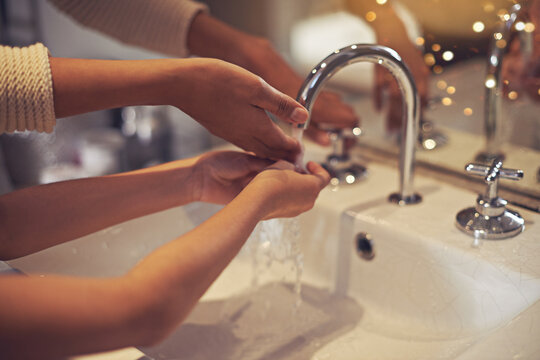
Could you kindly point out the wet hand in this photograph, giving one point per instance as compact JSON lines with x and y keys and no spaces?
{"x":220,"y":175}
{"x":231,"y":102}
{"x":286,"y":192}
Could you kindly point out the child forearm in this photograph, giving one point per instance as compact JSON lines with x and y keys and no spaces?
{"x":63,"y":316}
{"x":35,"y":218}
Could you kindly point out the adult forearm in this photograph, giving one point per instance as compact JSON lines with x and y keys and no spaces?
{"x":82,"y":85}
{"x":42,"y":216}
{"x":210,"y":37}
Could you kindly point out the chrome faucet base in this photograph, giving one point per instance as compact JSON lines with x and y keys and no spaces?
{"x":506,"y":225}
{"x":345,"y":173}
{"x":490,"y":219}
{"x":339,"y":164}
{"x":396,"y":198}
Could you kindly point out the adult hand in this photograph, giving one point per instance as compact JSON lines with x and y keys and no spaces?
{"x":329,"y":110}
{"x":231,"y":102}
{"x":220,"y":175}
{"x":213,"y":38}
{"x":288,"y":193}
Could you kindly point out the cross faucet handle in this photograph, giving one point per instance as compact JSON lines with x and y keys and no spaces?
{"x":492,"y":174}
{"x":495,"y":171}
{"x":490,"y":219}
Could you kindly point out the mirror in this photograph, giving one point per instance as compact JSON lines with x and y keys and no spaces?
{"x":460,"y":44}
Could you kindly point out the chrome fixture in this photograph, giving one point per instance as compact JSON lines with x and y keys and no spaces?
{"x":364,"y":246}
{"x":390,"y":60}
{"x":490,"y":219}
{"x":493,"y":123}
{"x":339,"y":164}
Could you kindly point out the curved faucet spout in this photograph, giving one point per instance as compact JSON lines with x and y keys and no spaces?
{"x":390,"y":60}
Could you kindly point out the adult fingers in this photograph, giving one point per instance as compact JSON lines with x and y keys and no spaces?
{"x":265,"y":138}
{"x":279,"y":104}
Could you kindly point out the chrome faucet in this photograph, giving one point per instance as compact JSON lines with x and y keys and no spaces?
{"x":493,"y":123}
{"x":390,"y":60}
{"x":490,"y":219}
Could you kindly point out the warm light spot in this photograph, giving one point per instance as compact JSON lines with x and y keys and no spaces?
{"x":437,"y":69}
{"x":520,"y":26}
{"x":381,"y":2}
{"x":448,"y":55}
{"x":349,"y":179}
{"x":489,"y":7}
{"x":371,"y":16}
{"x":478,"y":26}
{"x":323,"y":65}
{"x":490,"y":82}
{"x":451,"y":90}
{"x":313,"y":71}
{"x":353,"y":47}
{"x":441,"y":84}
{"x":501,"y":13}
{"x":512,"y":95}
{"x":357,"y":131}
{"x":529,"y":27}
{"x":538,"y":91}
{"x":506,"y":82}
{"x":429,"y":144}
{"x":435,"y":47}
{"x":446,"y":101}
{"x":429,"y":59}
{"x":467,"y":111}
{"x":498,"y":36}
{"x":420,"y":41}
{"x":501,"y":44}
{"x":506,"y":17}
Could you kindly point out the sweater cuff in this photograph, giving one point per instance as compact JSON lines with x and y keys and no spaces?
{"x":26,"y":91}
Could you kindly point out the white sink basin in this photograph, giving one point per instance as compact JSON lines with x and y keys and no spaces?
{"x":430,"y":292}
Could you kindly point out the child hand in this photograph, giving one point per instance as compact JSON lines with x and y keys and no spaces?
{"x":285,"y":192}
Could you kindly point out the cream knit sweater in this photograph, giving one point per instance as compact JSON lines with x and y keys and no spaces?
{"x":26,"y":92}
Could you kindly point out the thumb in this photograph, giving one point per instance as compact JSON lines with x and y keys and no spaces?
{"x":281,"y":105}
{"x":318,"y":171}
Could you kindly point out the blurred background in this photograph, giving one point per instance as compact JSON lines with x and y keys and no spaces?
{"x":303,"y":31}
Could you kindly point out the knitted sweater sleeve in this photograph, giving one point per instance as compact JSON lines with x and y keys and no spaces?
{"x":26,"y":92}
{"x":158,"y":25}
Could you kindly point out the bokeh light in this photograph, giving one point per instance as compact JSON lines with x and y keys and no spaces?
{"x":448,"y":55}
{"x":441,"y":84}
{"x":371,"y":16}
{"x":513,"y":95}
{"x":478,"y":26}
